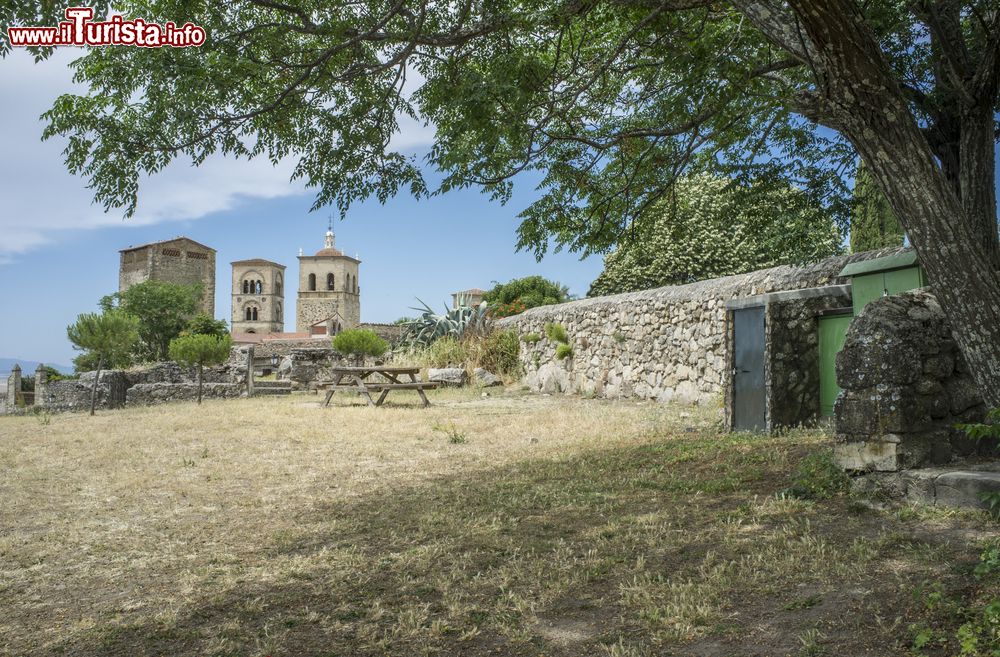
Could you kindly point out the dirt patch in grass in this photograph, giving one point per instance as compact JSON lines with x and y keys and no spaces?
{"x":559,"y":527}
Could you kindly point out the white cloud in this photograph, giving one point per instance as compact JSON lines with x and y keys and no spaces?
{"x":41,"y":202}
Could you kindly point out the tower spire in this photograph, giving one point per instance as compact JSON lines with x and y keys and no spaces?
{"x":328,"y":243}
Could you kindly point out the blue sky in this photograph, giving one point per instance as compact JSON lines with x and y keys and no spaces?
{"x":59,"y":253}
{"x":408,"y":249}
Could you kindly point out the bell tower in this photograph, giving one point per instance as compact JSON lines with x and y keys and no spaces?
{"x":329,"y":298}
{"x":258,"y":297}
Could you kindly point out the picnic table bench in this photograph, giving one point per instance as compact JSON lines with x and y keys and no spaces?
{"x":358,"y":380}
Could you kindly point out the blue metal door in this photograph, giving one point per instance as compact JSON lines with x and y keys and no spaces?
{"x":748,"y":369}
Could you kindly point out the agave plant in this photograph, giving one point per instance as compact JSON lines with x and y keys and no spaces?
{"x":430,"y":326}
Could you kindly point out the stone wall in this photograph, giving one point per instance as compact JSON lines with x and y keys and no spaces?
{"x":667,"y":343}
{"x":905,"y":387}
{"x":154,"y":383}
{"x":145,"y":394}
{"x":791,"y":371}
{"x":74,"y":394}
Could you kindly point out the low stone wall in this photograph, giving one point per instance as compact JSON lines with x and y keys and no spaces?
{"x":153,"y":383}
{"x":905,"y":385}
{"x":145,"y":394}
{"x":671,"y":343}
{"x":74,"y":394}
{"x":305,"y":367}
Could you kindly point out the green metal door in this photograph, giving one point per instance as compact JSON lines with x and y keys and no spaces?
{"x":901,"y":280}
{"x":832,"y":331}
{"x":865,"y":289}
{"x":868,"y":287}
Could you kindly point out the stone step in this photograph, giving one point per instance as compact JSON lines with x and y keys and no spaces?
{"x":955,"y":487}
{"x":272,"y":384}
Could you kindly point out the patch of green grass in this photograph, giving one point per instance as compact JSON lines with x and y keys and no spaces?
{"x":818,"y":477}
{"x":557,"y":333}
{"x":455,"y":435}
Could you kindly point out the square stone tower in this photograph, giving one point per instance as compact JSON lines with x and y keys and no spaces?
{"x":329,"y":299}
{"x":180,"y":260}
{"x":258,"y":297}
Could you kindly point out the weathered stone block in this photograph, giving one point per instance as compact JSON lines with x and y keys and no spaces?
{"x":868,"y":455}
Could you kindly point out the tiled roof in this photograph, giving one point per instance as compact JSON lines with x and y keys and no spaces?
{"x":257,"y":338}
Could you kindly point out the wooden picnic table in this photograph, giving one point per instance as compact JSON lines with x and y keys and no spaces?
{"x":358,"y":380}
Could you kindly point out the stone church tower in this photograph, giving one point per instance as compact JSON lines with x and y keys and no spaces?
{"x":180,"y":260}
{"x":329,"y":295}
{"x":258,"y":297}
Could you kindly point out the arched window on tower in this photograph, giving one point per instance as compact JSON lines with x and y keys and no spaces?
{"x":246,"y":287}
{"x":249,"y":314}
{"x":260,"y":287}
{"x":277,"y":312}
{"x":347,"y":283}
{"x":277,"y":285}
{"x":255,"y":314}
{"x":330,"y":282}
{"x":356,"y":288}
{"x":312,"y":282}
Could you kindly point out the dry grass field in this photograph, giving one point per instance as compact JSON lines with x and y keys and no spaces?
{"x":509,"y":525}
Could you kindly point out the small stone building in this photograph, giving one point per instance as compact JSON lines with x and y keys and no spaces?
{"x":470,"y":298}
{"x":258,"y":297}
{"x":329,"y":298}
{"x":180,"y":260}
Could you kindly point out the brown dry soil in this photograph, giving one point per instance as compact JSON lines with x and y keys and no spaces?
{"x":512,"y":525}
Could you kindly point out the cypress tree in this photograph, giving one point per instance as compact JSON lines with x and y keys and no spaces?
{"x":873,"y":223}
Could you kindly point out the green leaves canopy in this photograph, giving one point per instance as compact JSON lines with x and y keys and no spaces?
{"x":200,"y":350}
{"x":712,"y":228}
{"x":360,"y":342}
{"x":163,"y":311}
{"x":523,"y":293}
{"x":109,"y":336}
{"x":608,"y":101}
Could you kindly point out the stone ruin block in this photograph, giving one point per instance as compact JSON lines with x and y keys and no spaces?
{"x":904,"y":389}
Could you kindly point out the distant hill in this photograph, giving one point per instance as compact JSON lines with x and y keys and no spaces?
{"x":7,"y":364}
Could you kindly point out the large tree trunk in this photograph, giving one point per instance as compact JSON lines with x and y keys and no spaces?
{"x":97,"y":379}
{"x":954,"y":250}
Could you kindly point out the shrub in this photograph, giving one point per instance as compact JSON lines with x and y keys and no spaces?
{"x":531,"y":338}
{"x":516,"y":296}
{"x":203,"y":324}
{"x":455,"y":435}
{"x":557,"y":333}
{"x":564,"y":351}
{"x":498,"y":351}
{"x":987,"y":431}
{"x":444,"y":352}
{"x":818,"y":477}
{"x":360,"y":343}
